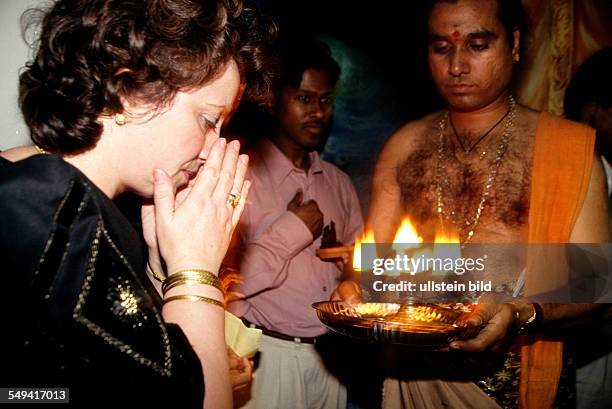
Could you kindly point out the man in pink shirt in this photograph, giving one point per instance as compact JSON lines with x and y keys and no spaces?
{"x":293,"y":196}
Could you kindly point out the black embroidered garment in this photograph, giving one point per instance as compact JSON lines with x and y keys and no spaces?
{"x":79,"y":310}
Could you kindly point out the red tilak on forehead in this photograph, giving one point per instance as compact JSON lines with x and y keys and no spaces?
{"x":456,"y":35}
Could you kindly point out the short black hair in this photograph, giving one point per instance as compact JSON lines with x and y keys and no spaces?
{"x":591,"y":83}
{"x":510,"y":13}
{"x":299,"y":55}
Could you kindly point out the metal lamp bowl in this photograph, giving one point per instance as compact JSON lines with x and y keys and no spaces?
{"x":427,"y":325}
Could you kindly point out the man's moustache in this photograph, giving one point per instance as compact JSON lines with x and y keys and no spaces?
{"x":319,"y":123}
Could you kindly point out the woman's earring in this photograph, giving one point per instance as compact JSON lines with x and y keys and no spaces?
{"x":120,"y":119}
{"x":517,"y":58}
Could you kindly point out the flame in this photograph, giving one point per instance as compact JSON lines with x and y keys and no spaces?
{"x":447,"y":238}
{"x":406,"y":237}
{"x":447,"y":245}
{"x":367,"y":238}
{"x":426,"y":314}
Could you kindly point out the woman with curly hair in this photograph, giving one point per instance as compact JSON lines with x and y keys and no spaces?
{"x":127,"y":95}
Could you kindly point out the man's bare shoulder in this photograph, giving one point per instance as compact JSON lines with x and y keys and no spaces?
{"x":410,"y":137}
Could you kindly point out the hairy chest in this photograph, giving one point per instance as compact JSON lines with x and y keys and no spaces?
{"x":459,"y":183}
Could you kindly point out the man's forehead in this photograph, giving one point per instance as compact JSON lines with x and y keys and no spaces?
{"x":464,"y":18}
{"x":312,"y":91}
{"x":315,"y":80}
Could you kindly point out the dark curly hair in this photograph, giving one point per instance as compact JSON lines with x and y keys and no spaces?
{"x":91,"y":53}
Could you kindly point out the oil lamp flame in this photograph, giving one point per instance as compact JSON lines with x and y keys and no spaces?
{"x":367,"y":239}
{"x":442,"y":237}
{"x":447,"y":245}
{"x":406,"y":237}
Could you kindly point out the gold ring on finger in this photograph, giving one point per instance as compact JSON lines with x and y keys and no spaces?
{"x":233,"y":200}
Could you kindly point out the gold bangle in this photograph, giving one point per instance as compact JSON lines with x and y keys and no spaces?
{"x":155,"y":274}
{"x":196,"y":275}
{"x":194,"y":298}
{"x":201,"y":276}
{"x":193,"y":272}
{"x":204,"y":278}
{"x":185,"y":281}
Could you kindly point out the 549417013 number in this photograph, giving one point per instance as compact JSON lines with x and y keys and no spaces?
{"x":31,"y":395}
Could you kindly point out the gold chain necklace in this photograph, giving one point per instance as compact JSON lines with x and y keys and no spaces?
{"x":471,"y":224}
{"x":40,"y":150}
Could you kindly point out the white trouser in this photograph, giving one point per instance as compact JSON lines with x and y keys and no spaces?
{"x":291,"y":375}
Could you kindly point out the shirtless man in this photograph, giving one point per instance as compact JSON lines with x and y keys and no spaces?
{"x":470,"y":165}
{"x":472,"y":51}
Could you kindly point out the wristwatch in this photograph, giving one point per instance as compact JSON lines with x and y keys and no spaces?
{"x":533,"y":322}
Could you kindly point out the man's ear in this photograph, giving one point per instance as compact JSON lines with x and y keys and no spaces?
{"x":516,"y":52}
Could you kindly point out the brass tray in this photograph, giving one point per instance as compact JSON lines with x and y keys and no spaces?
{"x":417,"y":324}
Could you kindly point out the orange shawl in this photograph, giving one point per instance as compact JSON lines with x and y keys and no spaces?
{"x":561,"y":171}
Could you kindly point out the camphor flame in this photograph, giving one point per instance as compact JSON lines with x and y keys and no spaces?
{"x":406,"y":237}
{"x":367,"y":238}
{"x":426,"y":314}
{"x":443,"y":237}
{"x":447,"y":245}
